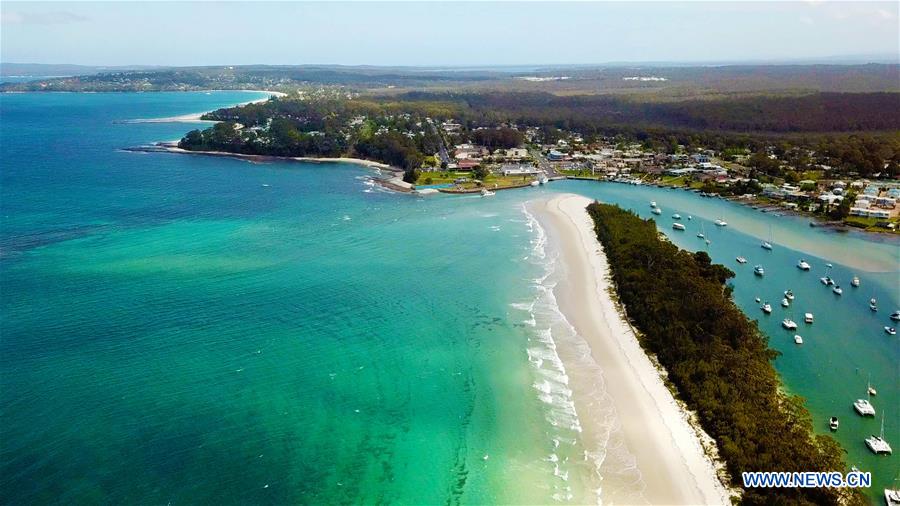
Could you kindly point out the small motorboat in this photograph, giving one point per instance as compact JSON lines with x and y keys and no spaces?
{"x":826,"y":281}
{"x":871,"y":390}
{"x":837,"y":290}
{"x":855,"y":282}
{"x":657,"y":211}
{"x":676,"y":216}
{"x":487,"y":193}
{"x":873,"y":304}
{"x":785,"y":303}
{"x":708,"y":242}
{"x":798,"y":339}
{"x":767,"y":308}
{"x":766,"y":245}
{"x":789,"y":294}
{"x":678,"y":226}
{"x":895,"y":316}
{"x":652,"y":203}
{"x":891,"y":331}
{"x":690,"y":217}
{"x":741,"y":260}
{"x":803,"y":265}
{"x":757,"y":300}
{"x":829,"y":266}
{"x":833,"y":423}
{"x":808,"y":317}
{"x":789,"y":324}
{"x":759,"y":271}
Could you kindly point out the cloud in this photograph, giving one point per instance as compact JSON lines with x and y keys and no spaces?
{"x":40,"y":18}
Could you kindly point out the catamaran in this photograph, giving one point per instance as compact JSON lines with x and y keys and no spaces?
{"x":878,"y":444}
{"x":802,"y":265}
{"x":826,"y":281}
{"x":864,"y":407}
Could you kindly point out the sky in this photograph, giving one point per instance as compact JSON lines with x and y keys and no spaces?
{"x":440,"y":33}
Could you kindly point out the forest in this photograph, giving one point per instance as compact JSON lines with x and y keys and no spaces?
{"x":717,"y":359}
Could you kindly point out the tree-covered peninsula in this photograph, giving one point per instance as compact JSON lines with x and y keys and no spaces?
{"x":717,"y":359}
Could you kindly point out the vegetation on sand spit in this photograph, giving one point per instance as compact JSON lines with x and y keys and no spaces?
{"x":716,"y":357}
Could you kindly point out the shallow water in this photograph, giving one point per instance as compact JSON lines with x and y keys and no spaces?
{"x":194,"y":329}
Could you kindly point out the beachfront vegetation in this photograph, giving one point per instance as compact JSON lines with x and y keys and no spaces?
{"x":717,"y":359}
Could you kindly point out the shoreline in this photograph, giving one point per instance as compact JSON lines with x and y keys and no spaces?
{"x":395,"y":182}
{"x":669,"y":451}
{"x":195,"y":117}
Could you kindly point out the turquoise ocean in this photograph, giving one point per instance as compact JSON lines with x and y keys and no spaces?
{"x":183,"y":329}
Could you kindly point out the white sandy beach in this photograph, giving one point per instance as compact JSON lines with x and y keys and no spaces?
{"x":195,"y":116}
{"x":667,"y":450}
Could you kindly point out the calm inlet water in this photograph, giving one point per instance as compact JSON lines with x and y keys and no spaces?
{"x":188,"y":329}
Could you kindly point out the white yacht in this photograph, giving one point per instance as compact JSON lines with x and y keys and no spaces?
{"x":870,"y":389}
{"x":766,"y":245}
{"x":721,"y":223}
{"x":678,"y":226}
{"x":873,"y":304}
{"x":487,"y":193}
{"x":837,"y":290}
{"x":789,"y":294}
{"x":767,"y":308}
{"x":690,"y":217}
{"x":534,"y":183}
{"x":652,"y":203}
{"x":895,"y":316}
{"x":808,"y":317}
{"x":891,"y":497}
{"x":758,"y":270}
{"x":785,"y":303}
{"x":700,"y":235}
{"x":854,"y":282}
{"x":657,"y":211}
{"x":676,"y":216}
{"x":864,"y":407}
{"x":789,"y":324}
{"x":878,"y":444}
{"x":741,"y":260}
{"x":803,"y":265}
{"x":757,"y":300}
{"x":891,"y":331}
{"x":543,"y":180}
{"x":833,"y":423}
{"x":798,"y":339}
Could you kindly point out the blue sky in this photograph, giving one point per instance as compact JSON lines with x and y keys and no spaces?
{"x":433,"y":33}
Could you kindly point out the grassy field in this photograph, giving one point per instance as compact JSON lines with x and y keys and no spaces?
{"x":492,"y":181}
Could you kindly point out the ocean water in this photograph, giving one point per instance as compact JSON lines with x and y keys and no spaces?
{"x":189,"y":329}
